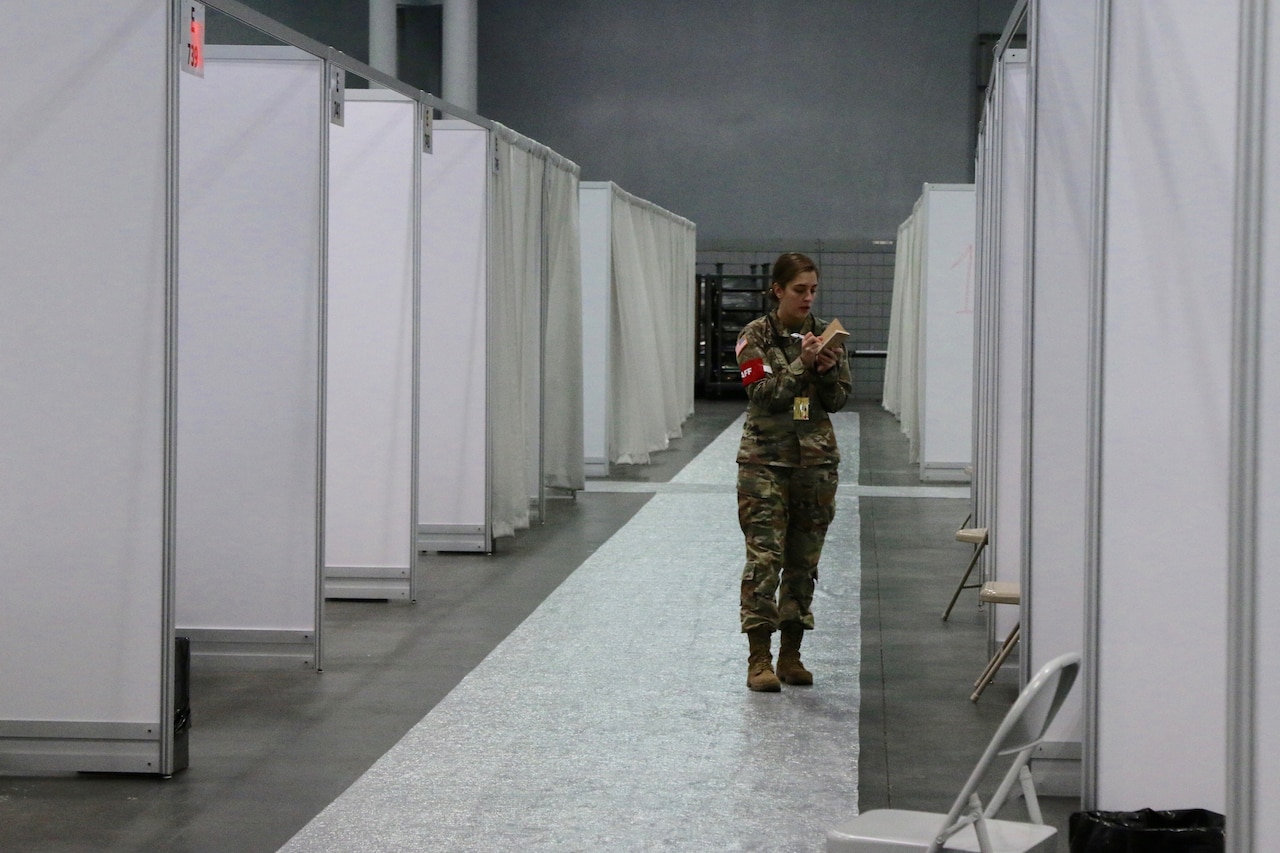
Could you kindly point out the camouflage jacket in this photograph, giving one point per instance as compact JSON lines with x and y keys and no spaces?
{"x":774,"y":376}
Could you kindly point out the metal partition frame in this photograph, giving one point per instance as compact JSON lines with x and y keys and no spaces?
{"x":1254,"y":644}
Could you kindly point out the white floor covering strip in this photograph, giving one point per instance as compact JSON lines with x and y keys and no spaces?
{"x":616,"y":717}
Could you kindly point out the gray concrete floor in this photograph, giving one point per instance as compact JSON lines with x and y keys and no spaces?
{"x":269,"y":750}
{"x":919,"y":732}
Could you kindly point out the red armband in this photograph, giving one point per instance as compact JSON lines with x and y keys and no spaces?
{"x":752,"y":371}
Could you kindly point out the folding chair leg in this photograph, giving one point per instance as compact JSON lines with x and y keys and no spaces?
{"x":998,"y":659}
{"x":1029,"y":794}
{"x":964,"y":584}
{"x":989,"y":674}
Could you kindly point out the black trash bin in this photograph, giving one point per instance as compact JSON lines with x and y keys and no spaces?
{"x":181,"y":702}
{"x":1147,"y":831}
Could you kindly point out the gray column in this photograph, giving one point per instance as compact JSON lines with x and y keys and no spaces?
{"x":382,"y":35}
{"x":459,"y":67}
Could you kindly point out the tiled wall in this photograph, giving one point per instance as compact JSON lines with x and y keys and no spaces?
{"x":855,"y":285}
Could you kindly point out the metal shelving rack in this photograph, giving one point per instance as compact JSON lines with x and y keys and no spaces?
{"x":727,"y":302}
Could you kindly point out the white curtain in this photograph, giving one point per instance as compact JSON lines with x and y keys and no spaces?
{"x":562,"y":371}
{"x":909,"y":416}
{"x":901,"y":375}
{"x":891,"y":398}
{"x":684,"y":251}
{"x":515,"y":285}
{"x":535,"y":331}
{"x":651,"y":339}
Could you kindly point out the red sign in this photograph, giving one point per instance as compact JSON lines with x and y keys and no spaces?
{"x":191,"y":44}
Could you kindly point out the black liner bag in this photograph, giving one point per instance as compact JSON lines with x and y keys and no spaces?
{"x":1147,"y":831}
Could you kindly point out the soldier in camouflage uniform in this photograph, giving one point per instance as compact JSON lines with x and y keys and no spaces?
{"x":787,"y":468}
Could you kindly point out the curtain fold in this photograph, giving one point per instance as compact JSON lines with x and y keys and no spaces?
{"x":891,"y":397}
{"x":563,"y":464}
{"x":535,"y":330}
{"x":636,"y":381}
{"x":515,"y":319}
{"x":901,"y":394}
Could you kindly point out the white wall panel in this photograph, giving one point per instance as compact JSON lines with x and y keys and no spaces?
{"x":1166,"y":369}
{"x":249,"y":335}
{"x":946,"y":339}
{"x":369,"y":524}
{"x":83,"y":338}
{"x":453,"y":510}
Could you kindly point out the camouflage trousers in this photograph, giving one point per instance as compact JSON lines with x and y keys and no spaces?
{"x":784,"y":514}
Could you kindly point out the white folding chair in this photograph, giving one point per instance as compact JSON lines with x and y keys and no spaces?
{"x":969,"y":826}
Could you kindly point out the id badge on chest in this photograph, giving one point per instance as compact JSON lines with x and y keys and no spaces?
{"x":800,"y":409}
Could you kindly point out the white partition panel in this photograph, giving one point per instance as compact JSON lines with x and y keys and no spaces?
{"x":596,"y":217}
{"x":453,"y":481}
{"x":945,"y":360}
{"x":85,"y":524}
{"x":1063,"y":57}
{"x":1165,"y":360}
{"x":1009,"y":339}
{"x":369,"y":477}
{"x":249,"y":413}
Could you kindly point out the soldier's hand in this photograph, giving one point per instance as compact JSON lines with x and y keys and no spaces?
{"x":810,"y":346}
{"x":826,"y":360}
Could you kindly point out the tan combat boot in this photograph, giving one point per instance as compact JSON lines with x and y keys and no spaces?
{"x":760,"y":675}
{"x":790,"y":669}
